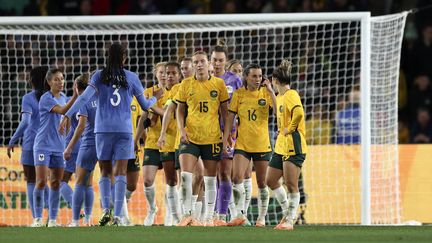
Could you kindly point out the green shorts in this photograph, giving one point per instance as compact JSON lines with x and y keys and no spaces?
{"x":206,"y":151}
{"x":177,"y":159}
{"x":277,"y":160}
{"x":255,"y":156}
{"x":167,"y":156}
{"x":133,"y":164}
{"x":152,"y":157}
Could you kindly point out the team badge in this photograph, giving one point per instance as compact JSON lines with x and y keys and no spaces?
{"x":41,"y":157}
{"x":262,"y":102}
{"x":213,"y":93}
{"x":281,"y":109}
{"x":133,"y":107}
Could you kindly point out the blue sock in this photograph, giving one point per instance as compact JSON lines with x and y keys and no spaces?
{"x":112,"y":195}
{"x":66,"y":192}
{"x":105,"y":191}
{"x":38,"y":202}
{"x":120,"y":191}
{"x":88,"y":200}
{"x":46,"y":197}
{"x":54,"y":204}
{"x":78,"y":197}
{"x":30,"y":189}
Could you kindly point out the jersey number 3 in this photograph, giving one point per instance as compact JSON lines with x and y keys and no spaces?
{"x":118,"y":98}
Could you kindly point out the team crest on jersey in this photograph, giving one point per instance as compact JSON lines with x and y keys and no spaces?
{"x":133,"y":108}
{"x":230,"y":89}
{"x":262,"y":102}
{"x":281,"y":109}
{"x":41,"y":157}
{"x":213,"y":93}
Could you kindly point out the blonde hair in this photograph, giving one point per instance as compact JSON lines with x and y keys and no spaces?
{"x":158,"y":65}
{"x":283,"y":72}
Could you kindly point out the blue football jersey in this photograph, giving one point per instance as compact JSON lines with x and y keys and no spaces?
{"x":89,"y":111}
{"x":30,"y":105}
{"x":48,"y":138}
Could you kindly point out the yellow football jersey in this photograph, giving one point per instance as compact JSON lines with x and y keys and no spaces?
{"x":136,"y":112}
{"x":153,"y":132}
{"x":171,"y":132}
{"x":252,"y":109}
{"x":295,"y":142}
{"x":203,"y":99}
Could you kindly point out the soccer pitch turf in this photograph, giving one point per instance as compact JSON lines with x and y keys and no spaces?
{"x":218,"y":234}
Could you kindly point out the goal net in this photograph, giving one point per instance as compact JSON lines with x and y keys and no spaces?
{"x":345,"y":65}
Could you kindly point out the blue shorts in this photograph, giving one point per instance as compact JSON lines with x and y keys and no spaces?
{"x":48,"y":158}
{"x":114,"y":146}
{"x":71,"y":163}
{"x":87,"y":158}
{"x":27,"y":157}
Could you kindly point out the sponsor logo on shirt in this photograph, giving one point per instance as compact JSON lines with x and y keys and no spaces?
{"x":230,"y":89}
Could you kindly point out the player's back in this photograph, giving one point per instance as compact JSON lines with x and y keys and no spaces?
{"x":30,"y":105}
{"x":88,"y":136}
{"x":113,"y":114}
{"x":74,"y":124}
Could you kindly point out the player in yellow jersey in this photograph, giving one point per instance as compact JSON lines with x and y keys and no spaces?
{"x":200,"y":135}
{"x":251,"y":104}
{"x":290,"y":149}
{"x":167,"y":150}
{"x":152,"y":162}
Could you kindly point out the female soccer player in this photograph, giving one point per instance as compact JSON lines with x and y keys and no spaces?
{"x":151,"y":162}
{"x":235,"y":66}
{"x":200,"y":135}
{"x":49,"y":145}
{"x":114,"y":87}
{"x":167,"y":148}
{"x":27,"y":130}
{"x":86,"y":158}
{"x":232,"y":82}
{"x":251,"y":104}
{"x":290,"y":149}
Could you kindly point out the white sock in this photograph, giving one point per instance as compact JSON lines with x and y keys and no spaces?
{"x":239,"y":197}
{"x":149,"y":192}
{"x":180,"y":201}
{"x":203,"y":210}
{"x":232,"y":205}
{"x":194,"y":202}
{"x":186,"y":186}
{"x":293,"y":202}
{"x":263,"y":202}
{"x":168,"y":218}
{"x":210,"y":195}
{"x":197,"y":212}
{"x":172,"y":201}
{"x":281,"y":196}
{"x":248,"y":193}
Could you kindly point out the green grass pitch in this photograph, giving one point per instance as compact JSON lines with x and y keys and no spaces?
{"x":217,"y":234}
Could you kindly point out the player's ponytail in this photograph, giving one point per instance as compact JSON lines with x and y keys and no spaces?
{"x":283,"y":72}
{"x":221,"y":47}
{"x":113,"y":73}
{"x":37,"y":80}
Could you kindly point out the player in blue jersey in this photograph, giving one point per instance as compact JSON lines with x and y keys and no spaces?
{"x":114,"y":88}
{"x":27,"y":130}
{"x":232,"y":82}
{"x":70,"y":158}
{"x":86,"y":158}
{"x":49,"y":145}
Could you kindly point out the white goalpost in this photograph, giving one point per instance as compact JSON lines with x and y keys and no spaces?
{"x":345,"y":67}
